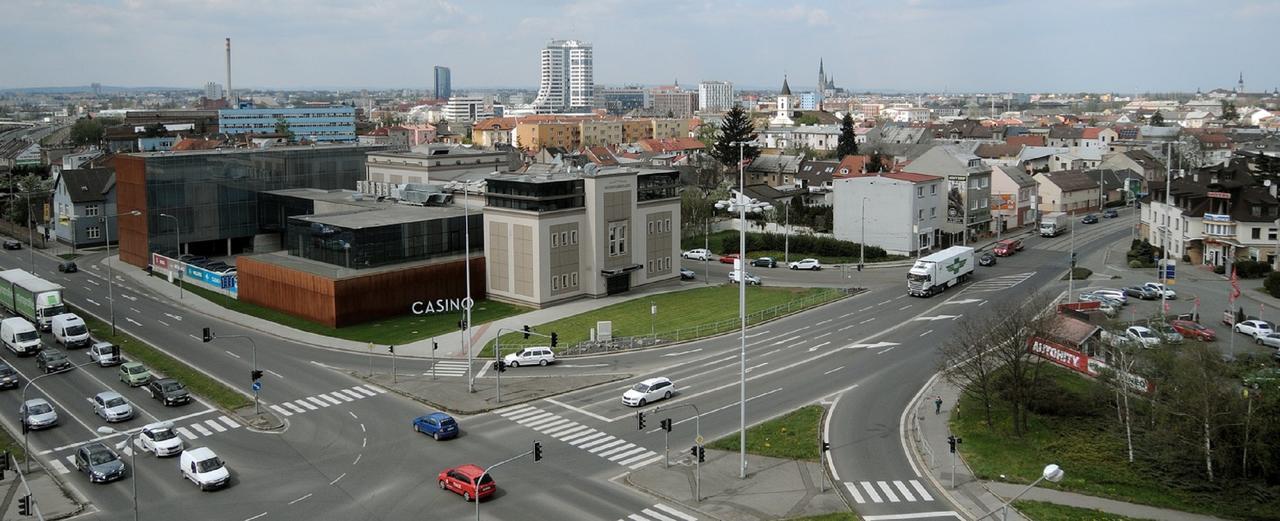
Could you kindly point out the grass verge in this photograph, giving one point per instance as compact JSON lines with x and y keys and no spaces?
{"x":393,"y":331}
{"x":677,"y":310}
{"x":7,"y":443}
{"x":195,"y":380}
{"x":794,"y":436}
{"x":1041,"y":511}
{"x":1079,"y":273}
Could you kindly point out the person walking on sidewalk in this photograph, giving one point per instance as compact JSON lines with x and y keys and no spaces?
{"x":937,"y":405}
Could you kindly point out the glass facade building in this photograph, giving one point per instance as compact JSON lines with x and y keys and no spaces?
{"x":318,"y":124}
{"x":336,"y":239}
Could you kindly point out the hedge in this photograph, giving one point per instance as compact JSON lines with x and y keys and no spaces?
{"x":812,"y":244}
{"x":1251,"y":269}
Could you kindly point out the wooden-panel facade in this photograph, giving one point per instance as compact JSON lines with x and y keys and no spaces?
{"x":131,"y":194}
{"x":298,"y":293}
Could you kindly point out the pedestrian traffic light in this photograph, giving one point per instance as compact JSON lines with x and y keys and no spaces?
{"x":256,"y":374}
{"x":24,"y":505}
{"x":537,"y":451}
{"x":526,"y":332}
{"x":462,"y":324}
{"x":640,"y":420}
{"x":501,"y":366}
{"x":555,"y":339}
{"x":207,"y":336}
{"x":4,"y":460}
{"x":952,"y":441}
{"x":666,"y":424}
{"x":693,"y":451}
{"x":859,"y":266}
{"x":435,"y":345}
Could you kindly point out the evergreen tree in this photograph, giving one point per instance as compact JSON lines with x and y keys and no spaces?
{"x":737,"y":127}
{"x":1229,"y":111}
{"x":1157,"y":120}
{"x":848,"y":140}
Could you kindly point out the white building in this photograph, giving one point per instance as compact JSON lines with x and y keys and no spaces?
{"x":783,"y":116}
{"x":715,"y":96}
{"x":904,"y":212}
{"x":568,"y":80}
{"x":213,"y":90}
{"x":468,"y":109}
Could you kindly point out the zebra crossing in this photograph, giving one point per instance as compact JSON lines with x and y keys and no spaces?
{"x":659,"y":512}
{"x":614,"y":449}
{"x":890,"y":491}
{"x":999,"y":283}
{"x":322,"y":400}
{"x":448,"y":368}
{"x":188,"y":433}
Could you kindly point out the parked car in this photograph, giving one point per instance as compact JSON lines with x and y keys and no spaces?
{"x":1104,"y":299}
{"x":650,"y":390}
{"x":1007,"y":247}
{"x":204,"y":468}
{"x":438,"y":425}
{"x":134,"y":374}
{"x":468,"y":481}
{"x":159,"y":439}
{"x":1110,"y":213}
{"x":1271,"y":340}
{"x":51,"y":360}
{"x":168,"y":391}
{"x":752,"y":280}
{"x":68,"y":267}
{"x":38,"y":414}
{"x":687,"y":274}
{"x":728,"y":259}
{"x":1089,"y":219}
{"x":1142,"y":335}
{"x":112,"y":407}
{"x":1265,"y":377}
{"x":1193,"y":330}
{"x":8,"y":377}
{"x":1254,"y":328}
{"x":1114,"y":294}
{"x":1141,"y":292}
{"x":765,"y":262}
{"x":10,"y":244}
{"x":1158,"y":288}
{"x":99,"y":463}
{"x":1167,"y":334}
{"x":696,"y":254}
{"x":987,"y":259}
{"x":531,"y":356}
{"x":806,"y":264}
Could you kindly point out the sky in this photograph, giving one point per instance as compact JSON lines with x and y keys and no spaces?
{"x":1122,"y":46}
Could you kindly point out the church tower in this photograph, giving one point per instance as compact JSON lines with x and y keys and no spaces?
{"x":1240,"y":84}
{"x":783,"y":117}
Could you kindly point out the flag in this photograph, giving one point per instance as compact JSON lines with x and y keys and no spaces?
{"x":1235,"y":285}
{"x":1166,"y":306}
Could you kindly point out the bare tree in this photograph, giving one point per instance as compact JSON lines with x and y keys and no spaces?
{"x":1199,"y":400}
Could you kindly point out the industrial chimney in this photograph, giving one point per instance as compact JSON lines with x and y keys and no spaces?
{"x":231,"y":100}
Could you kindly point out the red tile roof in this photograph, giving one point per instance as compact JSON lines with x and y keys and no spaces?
{"x":1090,"y":133}
{"x":197,"y":144}
{"x":1028,"y":141}
{"x":851,"y":166}
{"x":671,"y":145}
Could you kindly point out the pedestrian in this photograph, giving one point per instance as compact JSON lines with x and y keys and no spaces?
{"x":937,"y":405}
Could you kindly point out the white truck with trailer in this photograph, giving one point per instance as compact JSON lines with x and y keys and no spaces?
{"x":939,"y":271}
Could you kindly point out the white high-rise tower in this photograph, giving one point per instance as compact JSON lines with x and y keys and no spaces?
{"x":568,"y":81}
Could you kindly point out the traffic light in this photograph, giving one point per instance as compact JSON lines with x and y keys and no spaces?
{"x":256,"y":374}
{"x":462,"y":324}
{"x":537,"y":451}
{"x":859,"y":266}
{"x":500,"y":365}
{"x":435,"y":345}
{"x":526,"y":332}
{"x":555,"y":339}
{"x":693,"y":451}
{"x":207,"y":336}
{"x":826,"y":446}
{"x":640,"y":420}
{"x":666,"y":424}
{"x":391,"y":349}
{"x":24,"y":505}
{"x":952,"y":441}
{"x":702,"y":454}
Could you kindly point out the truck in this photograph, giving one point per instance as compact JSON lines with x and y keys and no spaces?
{"x":941,"y":270}
{"x":1053,"y":224}
{"x":31,"y":297}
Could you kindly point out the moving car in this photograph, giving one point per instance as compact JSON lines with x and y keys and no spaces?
{"x":19,"y":336}
{"x":650,"y":390}
{"x":8,"y":377}
{"x":168,"y":391}
{"x":134,"y":374}
{"x":687,"y":274}
{"x":987,"y":259}
{"x":765,"y":262}
{"x":806,"y":264}
{"x":1254,"y":328}
{"x":1110,"y":213}
{"x":728,"y":259}
{"x":105,"y":354}
{"x":463,"y":479}
{"x":1265,"y":377}
{"x":697,"y":254}
{"x":1158,"y":288}
{"x":112,"y":407}
{"x":38,"y":414}
{"x":99,"y":463}
{"x":159,"y":439}
{"x":1143,"y":336}
{"x":1193,"y":330}
{"x":530,"y":356}
{"x":68,"y":267}
{"x":1140,"y":292}
{"x":1007,"y":247}
{"x":1090,"y":219}
{"x":438,"y":425}
{"x":10,"y":244}
{"x":52,"y":360}
{"x":202,"y":467}
{"x":752,"y":280}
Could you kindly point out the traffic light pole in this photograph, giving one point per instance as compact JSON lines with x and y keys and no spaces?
{"x":498,"y":366}
{"x":208,"y":337}
{"x":697,"y":429}
{"x":30,"y":500}
{"x":537,"y":448}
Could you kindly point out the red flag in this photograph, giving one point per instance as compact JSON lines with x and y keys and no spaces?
{"x":1166,"y":306}
{"x":1235,"y":285}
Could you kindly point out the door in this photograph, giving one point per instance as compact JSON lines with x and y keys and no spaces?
{"x":618,"y":284}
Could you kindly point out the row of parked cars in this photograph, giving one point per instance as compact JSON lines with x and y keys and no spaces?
{"x":703,"y":254}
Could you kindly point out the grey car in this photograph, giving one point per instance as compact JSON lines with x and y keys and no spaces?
{"x":1271,"y":340}
{"x":99,"y":463}
{"x":1140,"y":292}
{"x":112,"y":407}
{"x":38,"y":414}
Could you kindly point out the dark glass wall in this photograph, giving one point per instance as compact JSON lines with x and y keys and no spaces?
{"x":383,"y":245}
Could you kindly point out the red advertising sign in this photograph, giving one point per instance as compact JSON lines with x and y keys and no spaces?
{"x":159,"y":261}
{"x":1059,"y":354}
{"x":1219,"y":195}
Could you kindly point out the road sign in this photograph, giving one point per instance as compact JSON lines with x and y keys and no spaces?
{"x":257,"y":386}
{"x":698,"y":440}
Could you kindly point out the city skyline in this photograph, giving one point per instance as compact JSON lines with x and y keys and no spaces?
{"x":985,"y":46}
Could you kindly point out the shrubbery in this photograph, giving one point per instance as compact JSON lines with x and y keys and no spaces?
{"x":810,"y":244}
{"x":1144,"y":253}
{"x":1251,"y":269}
{"x":1272,"y":284}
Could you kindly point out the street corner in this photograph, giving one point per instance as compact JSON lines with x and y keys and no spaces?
{"x":451,"y":393}
{"x":261,"y":421}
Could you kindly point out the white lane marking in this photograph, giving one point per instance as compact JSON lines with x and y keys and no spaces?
{"x":888,"y":492}
{"x":91,"y":281}
{"x":293,"y":407}
{"x":353,"y":394}
{"x":683,"y":352}
{"x":335,"y":401}
{"x":344,"y":397}
{"x":373,"y":388}
{"x":599,"y":448}
{"x":365,"y":391}
{"x":358,"y":456}
{"x":926,"y":332}
{"x":580,"y":410}
{"x":362,"y":429}
{"x":512,"y":410}
{"x":637,"y":466}
{"x":916,"y":515}
{"x":865,"y":309}
{"x":752,"y":368}
{"x":281,"y":410}
{"x":891,"y":348}
{"x":306,"y":404}
{"x":785,"y":340}
{"x":865,"y":321}
{"x":303,"y":498}
{"x":173,"y":316}
{"x":822,"y":335}
{"x":132,"y":321}
{"x":827,"y":321}
{"x":200,"y":428}
{"x":229,"y":353}
{"x":850,"y":326}
{"x":213,"y":424}
{"x":58,"y":467}
{"x":621,"y":458}
{"x":552,"y":431}
{"x":924,"y":494}
{"x":675,"y":512}
{"x":91,"y":301}
{"x":902,"y":489}
{"x":231,"y":424}
{"x":353,"y":415}
{"x":572,"y":433}
{"x":601,"y":440}
{"x":335,"y":480}
{"x":163,"y":323}
{"x":255,"y":517}
{"x":721,"y":408}
{"x":187,"y":434}
{"x":833,"y":370}
{"x":871,"y":491}
{"x":815,"y":348}
{"x":318,"y":401}
{"x":652,"y":515}
{"x":534,"y":417}
{"x":591,"y":435}
{"x":853,"y":490}
{"x":885,"y":302}
{"x":904,"y":307}
{"x":517,"y":416}
{"x":617,"y":449}
{"x":275,"y":374}
{"x":633,"y":459}
{"x":552,"y":424}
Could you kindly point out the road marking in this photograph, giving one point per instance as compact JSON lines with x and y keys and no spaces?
{"x":358,"y":456}
{"x":91,"y":301}
{"x":754,"y":367}
{"x":353,"y":415}
{"x":373,"y":388}
{"x":637,"y":466}
{"x":652,"y":515}
{"x":917,"y":515}
{"x":255,"y":517}
{"x":833,"y":370}
{"x":365,"y":391}
{"x":599,"y":448}
{"x":130,"y":297}
{"x":132,"y":321}
{"x":231,"y":354}
{"x":551,"y":424}
{"x":614,"y":449}
{"x":888,"y":492}
{"x":231,"y":424}
{"x":904,"y":307}
{"x":163,"y":323}
{"x":187,"y":434}
{"x":58,"y":467}
{"x":957,"y":317}
{"x":871,"y":491}
{"x":815,"y":348}
{"x":634,"y":459}
{"x":601,"y":440}
{"x":317,"y":401}
{"x":785,"y":340}
{"x":523,"y":413}
{"x":850,"y":326}
{"x":891,"y":348}
{"x":537,"y":417}
{"x":718,"y":409}
{"x":300,"y":499}
{"x":675,"y":512}
{"x":554,"y":432}
{"x":340,"y":476}
{"x":273,"y":373}
{"x":767,"y":354}
{"x":213,"y":424}
{"x":175,"y":317}
{"x":91,"y":281}
{"x":885,"y":302}
{"x":926,"y":332}
{"x":823,"y":322}
{"x":353,"y":394}
{"x":330,"y":398}
{"x":683,"y":352}
{"x":281,"y":410}
{"x":902,"y":489}
{"x":580,"y":441}
{"x":865,"y":309}
{"x":193,"y":337}
{"x":572,"y":432}
{"x":924,"y":494}
{"x":582,"y":411}
{"x":853,"y":491}
{"x":200,"y":428}
{"x":965,"y":301}
{"x":937,"y":317}
{"x":364,"y":442}
{"x":865,"y":321}
{"x":295,"y":408}
{"x":584,"y":365}
{"x":822,"y":335}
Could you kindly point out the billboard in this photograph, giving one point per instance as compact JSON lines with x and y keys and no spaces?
{"x":957,"y":195}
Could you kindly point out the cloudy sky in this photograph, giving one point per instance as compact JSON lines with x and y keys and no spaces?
{"x":914,"y":45}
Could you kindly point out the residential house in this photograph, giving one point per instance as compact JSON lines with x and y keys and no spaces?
{"x":1204,"y":149}
{"x":1140,"y":162}
{"x":998,"y":153}
{"x":1037,"y":159}
{"x":1118,"y":186}
{"x":1065,"y":136}
{"x":815,"y":178}
{"x":1013,"y":193}
{"x":407,"y":136}
{"x":83,"y":200}
{"x":776,"y":170}
{"x":1076,"y":158}
{"x":968,"y":189}
{"x":904,"y":212}
{"x":852,"y":165}
{"x":1028,"y":140}
{"x":491,"y":132}
{"x":1068,"y":191}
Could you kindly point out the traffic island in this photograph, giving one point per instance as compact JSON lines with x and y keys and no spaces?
{"x":449,"y":393}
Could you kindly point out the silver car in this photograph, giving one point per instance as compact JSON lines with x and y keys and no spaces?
{"x":38,"y":414}
{"x":112,"y":407}
{"x":1271,"y":340}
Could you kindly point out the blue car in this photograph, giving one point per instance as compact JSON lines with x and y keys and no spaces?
{"x":437,"y":424}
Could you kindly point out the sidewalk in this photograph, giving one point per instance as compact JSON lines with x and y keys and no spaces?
{"x":52,"y":501}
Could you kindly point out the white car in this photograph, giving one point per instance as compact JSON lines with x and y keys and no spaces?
{"x":650,"y":390}
{"x":701,"y":254}
{"x":1254,"y":328}
{"x":159,"y":439}
{"x":806,"y":264}
{"x":752,"y":280}
{"x":202,"y":467}
{"x":1158,"y":288}
{"x":530,"y":356}
{"x":1143,"y":336}
{"x":112,"y":407}
{"x":1271,"y":340}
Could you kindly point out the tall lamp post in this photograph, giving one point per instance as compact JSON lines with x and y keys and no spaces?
{"x":133,"y":459}
{"x":1053,"y":473}
{"x":466,"y":328}
{"x":177,"y":231}
{"x":111,"y":276}
{"x":26,"y":454}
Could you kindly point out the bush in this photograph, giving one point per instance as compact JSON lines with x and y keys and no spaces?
{"x":1135,"y":264}
{"x":1251,"y":269}
{"x":1220,"y":270}
{"x":1272,"y":284}
{"x":811,"y":244}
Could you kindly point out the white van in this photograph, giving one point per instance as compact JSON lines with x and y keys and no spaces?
{"x":19,"y":336}
{"x":70,"y":330}
{"x":202,"y":467}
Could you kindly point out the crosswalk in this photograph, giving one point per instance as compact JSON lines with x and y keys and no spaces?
{"x":614,"y":449}
{"x":323,"y":400}
{"x":659,"y":512}
{"x":448,"y":368}
{"x":189,"y":432}
{"x":999,"y":283}
{"x":909,"y":491}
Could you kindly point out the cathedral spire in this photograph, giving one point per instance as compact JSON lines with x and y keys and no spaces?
{"x":786,"y":89}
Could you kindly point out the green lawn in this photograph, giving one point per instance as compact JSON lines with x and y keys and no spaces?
{"x":677,"y":310}
{"x":9,"y":444}
{"x":717,"y":238}
{"x":1090,"y":448}
{"x":390,"y":331}
{"x":794,"y":436}
{"x":1041,"y":511}
{"x":195,"y":380}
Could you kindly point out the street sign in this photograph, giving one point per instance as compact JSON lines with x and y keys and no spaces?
{"x":698,"y":440}
{"x":257,"y":386}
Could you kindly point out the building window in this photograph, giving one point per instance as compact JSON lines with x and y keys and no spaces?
{"x":920,"y":214}
{"x":1257,"y":233}
{"x":93,"y":232}
{"x":933,"y":189}
{"x":91,"y":210}
{"x":933,"y":212}
{"x":573,"y":237}
{"x":564,"y":281}
{"x":564,"y":238}
{"x":919,"y":191}
{"x":650,"y":265}
{"x":555,"y":283}
{"x":617,"y":239}
{"x":668,"y":264}
{"x":667,"y":225}
{"x":555,"y":240}
{"x":573,"y":279}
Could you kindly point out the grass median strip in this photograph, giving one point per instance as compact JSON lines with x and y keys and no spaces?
{"x":195,"y":380}
{"x":794,"y":436}
{"x":1041,"y":511}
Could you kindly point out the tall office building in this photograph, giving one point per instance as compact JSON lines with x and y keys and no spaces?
{"x":444,"y":84}
{"x":212,"y":90}
{"x":568,"y":83}
{"x":715,"y":96}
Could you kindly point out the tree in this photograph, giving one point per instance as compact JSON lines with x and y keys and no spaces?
{"x":1197,"y":403}
{"x":154,"y":130}
{"x":1157,"y":119}
{"x":282,"y":127}
{"x":875,"y":164}
{"x":848,"y":144}
{"x":807,"y":119}
{"x":87,"y":131}
{"x":736,"y":128}
{"x":1229,"y":111}
{"x":18,"y":209}
{"x":707,"y":134}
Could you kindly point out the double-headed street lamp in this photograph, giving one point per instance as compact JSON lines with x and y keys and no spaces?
{"x":111,"y":277}
{"x":133,"y":459}
{"x":26,"y":452}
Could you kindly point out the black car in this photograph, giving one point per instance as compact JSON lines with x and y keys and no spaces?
{"x":8,"y":377}
{"x":68,"y":267}
{"x":765,"y":262}
{"x":11,"y":244}
{"x":987,"y":259}
{"x":168,"y":391}
{"x":99,"y":463}
{"x":51,"y":360}
{"x":1111,"y":213}
{"x":1090,"y":219}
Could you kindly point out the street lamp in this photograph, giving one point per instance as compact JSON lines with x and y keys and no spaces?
{"x":26,"y":458}
{"x":862,"y":244}
{"x":1053,"y":473}
{"x":111,"y":277}
{"x":177,"y":230}
{"x":133,"y":459}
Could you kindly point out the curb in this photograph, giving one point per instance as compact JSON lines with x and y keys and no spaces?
{"x":627,"y":478}
{"x":476,"y":412}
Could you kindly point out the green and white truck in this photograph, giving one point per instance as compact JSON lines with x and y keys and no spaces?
{"x":31,"y":297}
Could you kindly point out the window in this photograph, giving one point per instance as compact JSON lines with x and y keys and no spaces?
{"x":650,"y":227}
{"x":667,"y":225}
{"x":919,"y":191}
{"x":617,"y":239}
{"x":651,"y":266}
{"x":573,"y":279}
{"x":573,"y":237}
{"x":933,"y":212}
{"x":668,"y":264}
{"x":1257,"y":233}
{"x":920,"y":214}
{"x":91,"y":210}
{"x":93,"y":232}
{"x":555,"y":283}
{"x":555,"y":240}
{"x":933,"y":189}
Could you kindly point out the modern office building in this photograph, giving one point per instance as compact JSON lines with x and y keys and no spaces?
{"x":317,"y":124}
{"x":715,"y":96}
{"x":468,"y":109}
{"x":567,"y":79}
{"x":621,"y":100}
{"x":675,"y":103}
{"x":444,"y":83}
{"x":561,"y":236}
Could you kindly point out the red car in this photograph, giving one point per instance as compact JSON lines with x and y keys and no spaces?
{"x":1007,"y":247}
{"x":462,"y":479}
{"x":728,"y":259}
{"x":1193,"y":330}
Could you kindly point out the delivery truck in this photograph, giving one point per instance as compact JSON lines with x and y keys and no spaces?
{"x":939,"y":271}
{"x":31,"y":297}
{"x":1053,"y":224}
